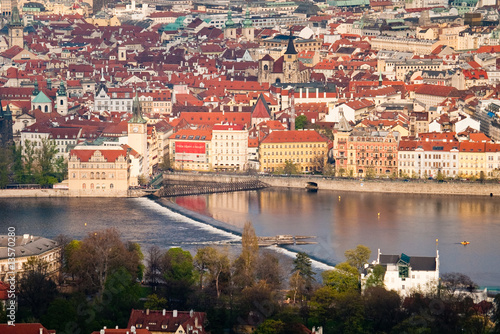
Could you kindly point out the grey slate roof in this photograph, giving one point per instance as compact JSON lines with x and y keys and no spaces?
{"x":424,"y":263}
{"x":27,"y":245}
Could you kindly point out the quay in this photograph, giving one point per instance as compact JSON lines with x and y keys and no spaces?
{"x":421,"y":186}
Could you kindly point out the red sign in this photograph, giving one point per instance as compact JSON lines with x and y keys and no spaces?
{"x":187,"y":147}
{"x":190,"y":151}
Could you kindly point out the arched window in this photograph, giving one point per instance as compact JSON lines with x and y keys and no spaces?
{"x":103,"y":176}
{"x":46,"y":108}
{"x":91,"y":175}
{"x":266,"y":68}
{"x":97,"y":175}
{"x":103,"y":186}
{"x":97,"y":186}
{"x":84,"y":186}
{"x":91,"y":186}
{"x":61,"y":102}
{"x":111,"y":186}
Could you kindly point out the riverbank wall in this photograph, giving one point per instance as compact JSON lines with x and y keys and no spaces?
{"x":44,"y":193}
{"x":376,"y":186}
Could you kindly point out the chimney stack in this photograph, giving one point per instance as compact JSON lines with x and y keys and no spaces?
{"x":174,"y":313}
{"x":164,"y":312}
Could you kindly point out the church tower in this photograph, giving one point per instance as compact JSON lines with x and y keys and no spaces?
{"x":16,"y":28}
{"x":291,"y":63}
{"x":138,"y":134}
{"x":62,"y":100}
{"x":230,"y":27}
{"x":248,"y":29}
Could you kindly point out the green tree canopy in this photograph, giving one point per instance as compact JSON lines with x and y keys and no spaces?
{"x":358,"y":256}
{"x":300,"y":122}
{"x":343,"y":278}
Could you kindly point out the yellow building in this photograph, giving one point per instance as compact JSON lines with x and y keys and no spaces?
{"x":472,"y":159}
{"x":306,"y":149}
{"x":98,"y":171}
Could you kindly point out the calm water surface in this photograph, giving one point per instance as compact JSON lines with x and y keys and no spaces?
{"x":340,"y":220}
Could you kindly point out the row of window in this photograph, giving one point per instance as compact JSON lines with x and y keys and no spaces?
{"x":98,"y":186}
{"x":272,"y":161}
{"x":292,"y":153}
{"x":293,"y":145}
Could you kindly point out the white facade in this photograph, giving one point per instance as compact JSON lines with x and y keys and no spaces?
{"x":336,"y":113}
{"x":406,"y":274}
{"x":230,"y":147}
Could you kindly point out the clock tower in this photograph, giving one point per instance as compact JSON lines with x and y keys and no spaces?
{"x":138,"y":135}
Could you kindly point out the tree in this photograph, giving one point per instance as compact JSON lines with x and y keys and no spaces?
{"x":154,"y":302}
{"x":343,"y":278}
{"x":5,"y":165}
{"x":358,"y":256}
{"x":370,"y":173}
{"x":269,"y":270}
{"x":246,"y":263}
{"x":36,"y":289}
{"x":319,"y":162}
{"x":290,"y":168}
{"x":166,"y":163}
{"x":212,"y":262}
{"x":178,"y":273}
{"x":302,"y":263}
{"x":456,"y":281}
{"x":270,"y":327}
{"x":97,"y":256}
{"x":29,"y":161}
{"x":300,"y":122}
{"x":376,"y":277}
{"x":153,"y":268}
{"x":382,"y":309}
{"x":45,"y":160}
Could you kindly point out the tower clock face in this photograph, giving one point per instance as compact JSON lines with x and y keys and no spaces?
{"x":135,"y":129}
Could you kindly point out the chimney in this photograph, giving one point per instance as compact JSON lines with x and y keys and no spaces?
{"x":147,"y":311}
{"x":164,"y":312}
{"x":102,"y":331}
{"x":41,"y":330}
{"x":174,"y":314}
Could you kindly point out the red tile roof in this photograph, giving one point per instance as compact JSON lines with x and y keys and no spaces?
{"x":109,"y":154}
{"x":24,"y":329}
{"x":295,"y":136}
{"x":164,"y":321}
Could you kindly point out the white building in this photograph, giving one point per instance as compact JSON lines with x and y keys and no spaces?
{"x":26,"y":247}
{"x":428,"y":158}
{"x":406,"y":274}
{"x":63,"y":138}
{"x":230,"y":147}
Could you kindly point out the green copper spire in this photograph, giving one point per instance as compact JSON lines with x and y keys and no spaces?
{"x":229,"y":22}
{"x":247,"y":23}
{"x":62,"y":90}
{"x":35,"y":91}
{"x":136,"y":111}
{"x":16,"y":19}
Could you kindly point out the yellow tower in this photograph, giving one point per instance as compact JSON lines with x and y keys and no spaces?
{"x":16,"y":29}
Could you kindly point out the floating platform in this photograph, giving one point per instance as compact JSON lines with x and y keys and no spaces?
{"x":285,"y":240}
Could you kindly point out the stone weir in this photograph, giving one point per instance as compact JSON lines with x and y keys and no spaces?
{"x":179,"y":188}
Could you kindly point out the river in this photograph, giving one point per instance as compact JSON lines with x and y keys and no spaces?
{"x":393,"y":223}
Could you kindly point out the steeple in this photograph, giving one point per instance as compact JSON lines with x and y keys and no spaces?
{"x":62,"y":90}
{"x":290,"y":50}
{"x":35,"y":91}
{"x":247,"y":22}
{"x":229,"y":23}
{"x":136,"y":111}
{"x":16,"y":19}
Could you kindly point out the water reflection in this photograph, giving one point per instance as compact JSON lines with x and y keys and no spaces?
{"x":394,"y":223}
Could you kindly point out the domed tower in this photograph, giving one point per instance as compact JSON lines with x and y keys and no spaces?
{"x":16,"y":27}
{"x":248,"y":29}
{"x":62,"y":100}
{"x":230,"y":27}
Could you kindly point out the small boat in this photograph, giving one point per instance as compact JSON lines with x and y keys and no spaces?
{"x":465,"y":243}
